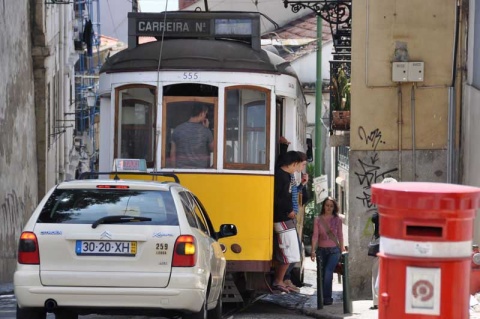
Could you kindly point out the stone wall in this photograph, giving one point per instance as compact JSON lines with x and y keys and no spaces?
{"x":367,"y":168}
{"x":18,"y":165}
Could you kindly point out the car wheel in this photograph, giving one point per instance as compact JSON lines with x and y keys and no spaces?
{"x":65,"y":314}
{"x":216,"y":313}
{"x":29,"y":313}
{"x":202,"y":314}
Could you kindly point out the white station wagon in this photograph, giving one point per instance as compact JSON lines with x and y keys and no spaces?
{"x":111,"y":246}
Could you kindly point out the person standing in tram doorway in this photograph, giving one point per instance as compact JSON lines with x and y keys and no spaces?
{"x":328,"y":233}
{"x":192,"y":141}
{"x":286,"y":247}
{"x":299,"y":198}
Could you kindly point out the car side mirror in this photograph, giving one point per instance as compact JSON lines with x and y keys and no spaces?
{"x":227,"y":230}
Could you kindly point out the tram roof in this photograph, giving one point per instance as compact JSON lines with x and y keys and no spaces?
{"x":197,"y":54}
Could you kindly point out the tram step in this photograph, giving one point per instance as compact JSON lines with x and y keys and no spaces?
{"x":230,"y":291}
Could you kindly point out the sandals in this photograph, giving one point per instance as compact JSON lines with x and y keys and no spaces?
{"x":281,"y":288}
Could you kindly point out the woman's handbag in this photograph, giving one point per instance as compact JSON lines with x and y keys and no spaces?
{"x":374,"y":247}
{"x":339,"y":266}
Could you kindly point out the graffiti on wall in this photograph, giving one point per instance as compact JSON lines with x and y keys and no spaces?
{"x":370,"y":169}
{"x":11,"y":220}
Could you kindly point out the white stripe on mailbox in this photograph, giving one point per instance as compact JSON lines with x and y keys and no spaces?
{"x":427,"y":249}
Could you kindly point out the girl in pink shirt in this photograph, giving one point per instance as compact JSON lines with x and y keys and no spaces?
{"x":327,"y":249}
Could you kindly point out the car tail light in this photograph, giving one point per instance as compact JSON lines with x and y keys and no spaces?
{"x":185,"y":252}
{"x":28,"y":249}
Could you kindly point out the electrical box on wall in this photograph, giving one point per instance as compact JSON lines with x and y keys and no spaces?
{"x":400,"y":71}
{"x":415,"y":71}
{"x":407,"y":71}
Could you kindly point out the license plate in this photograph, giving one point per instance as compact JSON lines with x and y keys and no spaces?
{"x":106,"y":248}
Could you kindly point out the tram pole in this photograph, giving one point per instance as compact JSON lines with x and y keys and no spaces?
{"x":318,"y":104}
{"x":318,"y":144}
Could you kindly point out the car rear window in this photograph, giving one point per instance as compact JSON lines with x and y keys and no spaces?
{"x":85,"y":206}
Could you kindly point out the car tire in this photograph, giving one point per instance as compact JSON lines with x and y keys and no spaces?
{"x":29,"y":313}
{"x":202,"y":314}
{"x":65,"y":314}
{"x":216,"y":313}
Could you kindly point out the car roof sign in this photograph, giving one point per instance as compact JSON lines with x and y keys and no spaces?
{"x":129,"y":165}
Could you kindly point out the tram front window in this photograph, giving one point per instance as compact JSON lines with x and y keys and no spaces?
{"x":189,"y":135}
{"x":135,"y":125}
{"x":246,"y":128}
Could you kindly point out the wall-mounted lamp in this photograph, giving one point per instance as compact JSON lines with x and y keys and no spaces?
{"x":91,"y":98}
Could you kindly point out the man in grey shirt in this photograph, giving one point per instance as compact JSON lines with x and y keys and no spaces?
{"x":192,"y":141}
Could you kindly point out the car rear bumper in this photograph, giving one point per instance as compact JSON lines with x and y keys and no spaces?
{"x":187,"y":297}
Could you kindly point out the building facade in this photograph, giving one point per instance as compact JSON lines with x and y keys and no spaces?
{"x":36,"y":134}
{"x":403,"y":126}
{"x":18,"y":166}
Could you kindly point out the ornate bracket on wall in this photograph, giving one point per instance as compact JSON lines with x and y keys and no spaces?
{"x":338,"y":13}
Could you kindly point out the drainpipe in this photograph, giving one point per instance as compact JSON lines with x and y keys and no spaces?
{"x":400,"y":126}
{"x":451,"y":136}
{"x":414,"y":156}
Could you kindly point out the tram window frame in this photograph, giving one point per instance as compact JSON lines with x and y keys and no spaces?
{"x":167,"y":128}
{"x":150,"y":121}
{"x":244,"y":108}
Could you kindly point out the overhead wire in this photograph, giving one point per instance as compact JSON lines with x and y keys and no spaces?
{"x":111,"y":18}
{"x":158,"y":74}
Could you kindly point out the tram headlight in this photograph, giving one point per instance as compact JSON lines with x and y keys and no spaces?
{"x":236,"y":248}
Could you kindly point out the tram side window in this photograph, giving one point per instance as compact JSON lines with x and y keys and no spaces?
{"x":135,"y":126}
{"x":247,"y":128}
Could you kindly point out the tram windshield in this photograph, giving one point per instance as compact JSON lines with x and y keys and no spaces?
{"x":135,"y":126}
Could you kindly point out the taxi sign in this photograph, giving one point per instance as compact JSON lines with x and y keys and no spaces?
{"x":130,"y":165}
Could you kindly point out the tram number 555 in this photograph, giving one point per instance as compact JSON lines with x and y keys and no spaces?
{"x":190,"y":76}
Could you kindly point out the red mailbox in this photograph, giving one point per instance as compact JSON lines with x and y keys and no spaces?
{"x":425,"y":249}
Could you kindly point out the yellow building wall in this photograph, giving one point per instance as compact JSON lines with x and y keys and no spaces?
{"x":381,"y":133}
{"x":428,"y":28}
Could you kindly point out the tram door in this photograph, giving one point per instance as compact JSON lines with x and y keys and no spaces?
{"x":135,"y":123}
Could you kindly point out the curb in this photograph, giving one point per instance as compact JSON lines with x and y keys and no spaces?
{"x":6,"y":289}
{"x":315,"y":314}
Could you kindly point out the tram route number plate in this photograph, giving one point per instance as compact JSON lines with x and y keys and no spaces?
{"x":106,"y":248}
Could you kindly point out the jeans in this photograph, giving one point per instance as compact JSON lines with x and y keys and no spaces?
{"x":329,"y":257}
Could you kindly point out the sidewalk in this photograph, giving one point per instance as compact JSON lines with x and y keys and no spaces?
{"x":306,"y":300}
{"x":6,"y":289}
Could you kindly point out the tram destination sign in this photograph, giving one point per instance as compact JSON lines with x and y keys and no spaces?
{"x":172,"y":27}
{"x":243,"y":26}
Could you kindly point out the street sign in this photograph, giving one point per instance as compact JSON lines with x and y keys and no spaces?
{"x":320,"y":186}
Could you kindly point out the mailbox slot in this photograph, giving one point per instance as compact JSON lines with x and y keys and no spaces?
{"x":424,"y":231}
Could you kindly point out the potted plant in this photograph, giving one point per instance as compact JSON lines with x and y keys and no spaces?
{"x":340,"y":98}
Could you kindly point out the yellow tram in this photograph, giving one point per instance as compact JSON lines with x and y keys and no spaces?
{"x":176,"y":60}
